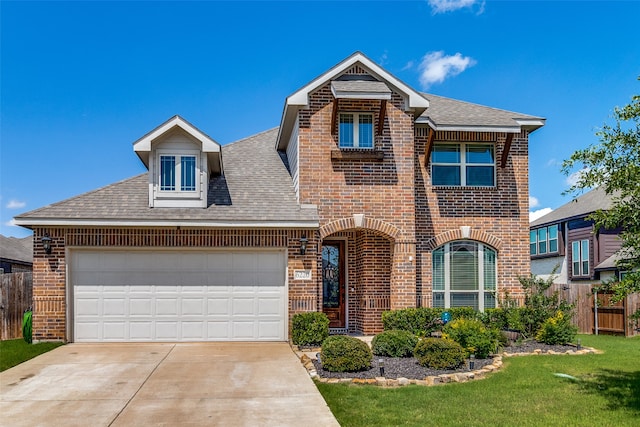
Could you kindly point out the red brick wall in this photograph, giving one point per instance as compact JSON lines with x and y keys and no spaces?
{"x":49,"y":272}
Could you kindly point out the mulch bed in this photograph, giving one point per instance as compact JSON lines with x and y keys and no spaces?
{"x":408,"y":367}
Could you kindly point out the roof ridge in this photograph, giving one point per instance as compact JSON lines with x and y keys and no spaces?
{"x":251,"y":136}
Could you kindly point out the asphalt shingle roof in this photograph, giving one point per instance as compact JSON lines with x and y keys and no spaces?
{"x":16,"y":249}
{"x":452,"y":112}
{"x":256,"y":187}
{"x":585,"y":204}
{"x":360,"y":86}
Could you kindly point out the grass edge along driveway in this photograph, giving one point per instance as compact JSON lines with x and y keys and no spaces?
{"x":525,"y":392}
{"x":14,"y":352}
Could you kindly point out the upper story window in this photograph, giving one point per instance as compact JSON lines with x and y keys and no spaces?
{"x":356,"y":130}
{"x":178,"y":172}
{"x":580,"y":258}
{"x":464,"y":275}
{"x":464,"y":164}
{"x":544,"y":240}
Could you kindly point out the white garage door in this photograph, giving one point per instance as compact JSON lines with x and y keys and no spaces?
{"x":178,"y":295}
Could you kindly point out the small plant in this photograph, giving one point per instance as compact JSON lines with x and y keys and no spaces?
{"x":341,"y":353}
{"x":539,"y":304}
{"x":557,"y":330}
{"x":394,"y":343}
{"x":419,"y":321}
{"x":635,"y":320}
{"x":473,"y":336}
{"x":437,"y":353}
{"x":309,"y":329}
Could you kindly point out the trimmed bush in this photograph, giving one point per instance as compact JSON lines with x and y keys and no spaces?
{"x":309,"y":329}
{"x":557,"y":330}
{"x":394,"y":344}
{"x":424,"y":320}
{"x":341,"y":353}
{"x":473,"y":336}
{"x":437,"y":353}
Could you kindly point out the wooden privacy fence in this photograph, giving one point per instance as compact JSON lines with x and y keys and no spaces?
{"x":16,"y":296}
{"x":612,"y":318}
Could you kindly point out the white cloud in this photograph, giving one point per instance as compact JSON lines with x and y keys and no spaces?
{"x":436,"y":67}
{"x":11,"y":223}
{"x":539,"y":213}
{"x":533,"y":202}
{"x":15,"y":204}
{"x":409,"y":66}
{"x":575,"y":177}
{"x":444,"y":6}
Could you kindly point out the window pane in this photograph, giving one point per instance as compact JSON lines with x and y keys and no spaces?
{"x":489,"y":265}
{"x":553,"y":232}
{"x":479,"y":153}
{"x":553,"y":245}
{"x":542,"y":234}
{"x":575,"y":251}
{"x":188,"y":173}
{"x":585,"y":250}
{"x":445,"y":153}
{"x":585,"y":268}
{"x":542,"y":241}
{"x":438,"y":269}
{"x":167,"y":173}
{"x":346,"y":130}
{"x":464,"y":266}
{"x":365,"y":131}
{"x":438,"y":299}
{"x":445,"y":175}
{"x":464,"y":300}
{"x":533,"y":244}
{"x":480,"y":176}
{"x":489,"y":300}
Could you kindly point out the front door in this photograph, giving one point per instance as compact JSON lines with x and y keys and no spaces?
{"x":333,"y":283}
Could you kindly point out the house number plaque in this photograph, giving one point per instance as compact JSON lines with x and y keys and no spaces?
{"x":301,"y":274}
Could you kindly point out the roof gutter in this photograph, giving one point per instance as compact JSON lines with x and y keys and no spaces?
{"x":57,"y":222}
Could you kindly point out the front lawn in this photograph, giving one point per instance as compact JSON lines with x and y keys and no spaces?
{"x":524,"y":393}
{"x":14,"y":352}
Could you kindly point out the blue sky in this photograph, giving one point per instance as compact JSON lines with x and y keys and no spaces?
{"x":81,"y":81}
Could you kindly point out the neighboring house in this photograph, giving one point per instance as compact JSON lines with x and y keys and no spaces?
{"x":566,"y":240}
{"x":16,"y":254}
{"x":369,"y":196}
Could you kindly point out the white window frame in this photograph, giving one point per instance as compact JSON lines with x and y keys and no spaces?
{"x":534,"y":240}
{"x":178,"y":154}
{"x":462,"y":146}
{"x":356,"y":130}
{"x":481,"y":291}
{"x":580,"y":257}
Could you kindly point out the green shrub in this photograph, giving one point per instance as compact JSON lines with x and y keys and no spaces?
{"x":310,"y":328}
{"x":539,"y":304}
{"x":419,"y":321}
{"x":473,"y":336}
{"x":341,"y":353}
{"x":437,"y":353}
{"x":394,"y":343}
{"x":557,"y":330}
{"x":463,"y":313}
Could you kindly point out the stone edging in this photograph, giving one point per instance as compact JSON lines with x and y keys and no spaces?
{"x":458,"y":377}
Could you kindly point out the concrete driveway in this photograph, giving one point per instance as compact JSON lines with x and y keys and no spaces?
{"x":194,"y":384}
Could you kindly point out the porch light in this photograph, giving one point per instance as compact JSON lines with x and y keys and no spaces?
{"x":472,"y":361}
{"x":381,"y":366}
{"x":46,"y":244}
{"x":303,"y":245}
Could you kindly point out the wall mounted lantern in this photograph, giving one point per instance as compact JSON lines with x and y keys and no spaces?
{"x":303,"y":245}
{"x":46,"y":244}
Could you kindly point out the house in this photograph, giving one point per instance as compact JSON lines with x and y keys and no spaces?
{"x":564,"y":241}
{"x":368,"y":196}
{"x":16,"y":254}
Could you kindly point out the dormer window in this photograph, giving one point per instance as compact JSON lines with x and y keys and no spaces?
{"x":356,"y":130}
{"x":178,"y":172}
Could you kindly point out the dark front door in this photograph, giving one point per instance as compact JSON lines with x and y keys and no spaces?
{"x":333,"y":286}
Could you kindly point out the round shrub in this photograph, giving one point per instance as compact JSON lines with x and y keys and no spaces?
{"x":438,"y":353}
{"x":394,"y":344}
{"x":341,"y":353}
{"x":557,"y":330}
{"x":309,"y":329}
{"x":473,"y":336}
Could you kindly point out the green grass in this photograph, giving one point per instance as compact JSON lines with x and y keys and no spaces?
{"x":524,"y":393}
{"x":14,"y":352}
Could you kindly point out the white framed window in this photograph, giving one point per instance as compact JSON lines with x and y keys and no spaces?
{"x":463,"y":165}
{"x":544,"y":240}
{"x":355,"y":130}
{"x":580,"y":258}
{"x":178,"y":172}
{"x":464,"y":275}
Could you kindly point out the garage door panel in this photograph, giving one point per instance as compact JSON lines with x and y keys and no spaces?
{"x":178,"y":296}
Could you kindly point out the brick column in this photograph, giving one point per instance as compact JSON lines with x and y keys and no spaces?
{"x":403,"y":275}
